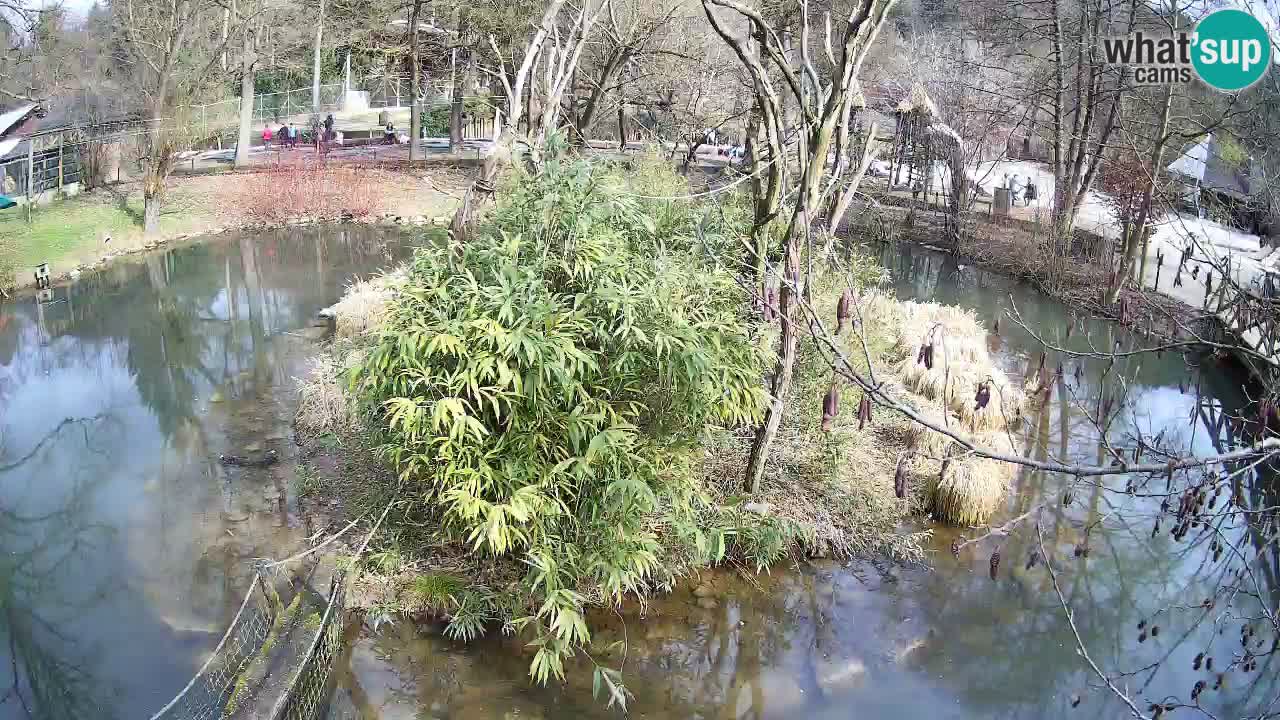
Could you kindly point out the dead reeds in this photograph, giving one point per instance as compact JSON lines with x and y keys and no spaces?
{"x":324,"y":406}
{"x":307,"y":191}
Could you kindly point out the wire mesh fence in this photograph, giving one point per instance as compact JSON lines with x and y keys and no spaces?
{"x":269,"y":106}
{"x":308,"y":693}
{"x":206,"y":695}
{"x":41,"y":169}
{"x":227,"y":686}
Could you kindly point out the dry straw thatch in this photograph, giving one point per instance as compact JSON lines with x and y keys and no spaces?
{"x":324,"y":406}
{"x":971,"y":488}
{"x":364,"y":306}
{"x":961,"y":365}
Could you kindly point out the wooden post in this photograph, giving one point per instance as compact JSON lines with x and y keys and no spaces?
{"x":1142,"y":265}
{"x":31,"y":175}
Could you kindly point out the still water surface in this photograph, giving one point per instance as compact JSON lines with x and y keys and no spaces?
{"x":126,"y":545}
{"x":864,"y":640}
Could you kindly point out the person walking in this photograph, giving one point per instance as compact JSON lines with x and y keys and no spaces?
{"x":328,"y":126}
{"x":1030,"y":193}
{"x":1013,"y":189}
{"x":266,"y":136}
{"x":282,"y":136}
{"x":315,"y":128}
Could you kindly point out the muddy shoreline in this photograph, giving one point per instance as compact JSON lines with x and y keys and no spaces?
{"x":23,"y":286}
{"x":211,"y":205}
{"x":1078,"y":286}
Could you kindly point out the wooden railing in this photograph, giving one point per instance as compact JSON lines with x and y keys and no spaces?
{"x":1252,"y":316}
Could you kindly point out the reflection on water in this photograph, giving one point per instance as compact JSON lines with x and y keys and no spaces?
{"x":858,"y":640}
{"x":125,"y":543}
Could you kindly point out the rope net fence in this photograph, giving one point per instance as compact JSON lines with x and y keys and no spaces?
{"x":206,"y":695}
{"x":250,"y":664}
{"x":241,"y":674}
{"x":307,"y":696}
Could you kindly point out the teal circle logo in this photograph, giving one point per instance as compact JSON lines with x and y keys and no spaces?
{"x":1231,"y":50}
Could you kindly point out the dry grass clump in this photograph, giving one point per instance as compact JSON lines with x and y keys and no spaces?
{"x":957,"y":329}
{"x":324,"y":406}
{"x":364,"y":306}
{"x":961,"y":364}
{"x":971,"y":489}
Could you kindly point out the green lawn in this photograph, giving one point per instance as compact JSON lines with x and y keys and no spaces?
{"x":69,"y":231}
{"x":59,"y":229}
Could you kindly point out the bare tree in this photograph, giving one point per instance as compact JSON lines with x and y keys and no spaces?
{"x":630,"y":31}
{"x":42,"y":52}
{"x":315,"y":60}
{"x":175,"y":48}
{"x":16,"y":23}
{"x":823,"y":109}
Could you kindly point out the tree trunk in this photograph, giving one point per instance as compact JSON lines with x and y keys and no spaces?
{"x":415,"y":71}
{"x":527,"y":118}
{"x":767,"y":184}
{"x":455,"y":108}
{"x":622,"y":126}
{"x":588,"y":115}
{"x":842,"y":201}
{"x":784,"y":370}
{"x":150,"y":209}
{"x":244,"y":140}
{"x":315,"y":63}
{"x":1135,"y":238}
{"x":809,"y":197}
{"x":156,"y":172}
{"x":226,"y":30}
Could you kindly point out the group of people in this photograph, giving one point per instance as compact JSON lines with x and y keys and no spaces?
{"x":287,"y":134}
{"x":1029,"y":192}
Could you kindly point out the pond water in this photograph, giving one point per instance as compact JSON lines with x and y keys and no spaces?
{"x":869,"y":640}
{"x":126,"y":544}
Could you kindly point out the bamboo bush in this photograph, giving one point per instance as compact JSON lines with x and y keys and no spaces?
{"x":536,"y":385}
